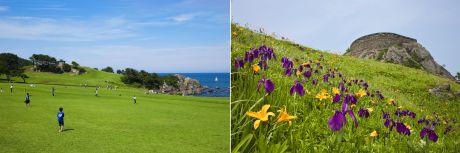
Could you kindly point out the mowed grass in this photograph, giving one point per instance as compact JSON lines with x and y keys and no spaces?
{"x":111,"y":122}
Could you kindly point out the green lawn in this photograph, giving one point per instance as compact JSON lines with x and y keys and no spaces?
{"x":111,"y":122}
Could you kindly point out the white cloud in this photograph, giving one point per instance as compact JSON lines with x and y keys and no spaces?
{"x":185,"y":17}
{"x":181,"y":59}
{"x":4,"y":8}
{"x":33,"y":28}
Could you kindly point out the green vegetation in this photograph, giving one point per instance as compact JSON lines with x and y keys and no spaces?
{"x":110,"y":122}
{"x":310,"y":132}
{"x":147,"y":80}
{"x":107,"y":69}
{"x":12,"y":66}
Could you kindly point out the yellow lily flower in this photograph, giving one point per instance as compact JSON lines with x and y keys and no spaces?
{"x":370,"y":110}
{"x":391,"y":102}
{"x":352,"y":105}
{"x":408,"y":126}
{"x":323,"y":91}
{"x":322,"y":96}
{"x":256,"y":68}
{"x":306,"y":63}
{"x":335,"y":91}
{"x":261,"y":115}
{"x":285,"y":117}
{"x":374,"y":134}
{"x":361,"y":93}
{"x":298,"y":73}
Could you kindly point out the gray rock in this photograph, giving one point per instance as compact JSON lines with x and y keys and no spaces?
{"x":442,"y":90}
{"x":186,"y":86}
{"x":398,"y":49}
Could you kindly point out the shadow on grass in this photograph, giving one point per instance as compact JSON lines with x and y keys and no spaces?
{"x":67,"y":130}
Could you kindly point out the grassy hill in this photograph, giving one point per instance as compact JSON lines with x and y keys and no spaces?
{"x":310,"y":131}
{"x":92,"y":77}
{"x":109,"y":122}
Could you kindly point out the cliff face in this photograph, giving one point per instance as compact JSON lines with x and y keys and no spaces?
{"x":394,"y":48}
{"x":186,"y":86}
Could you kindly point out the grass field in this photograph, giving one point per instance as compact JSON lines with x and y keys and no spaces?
{"x":110,"y":122}
{"x":310,"y":131}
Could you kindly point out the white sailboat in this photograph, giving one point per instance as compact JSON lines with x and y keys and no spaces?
{"x":216,"y":79}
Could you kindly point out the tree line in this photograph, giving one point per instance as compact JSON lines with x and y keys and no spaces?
{"x":147,"y":80}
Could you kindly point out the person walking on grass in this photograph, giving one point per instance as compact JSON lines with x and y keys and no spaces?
{"x":27,"y":101}
{"x":60,"y":118}
{"x":1,"y":91}
{"x":96,"y":91}
{"x":134,"y":98}
{"x":11,"y":89}
{"x":52,"y":91}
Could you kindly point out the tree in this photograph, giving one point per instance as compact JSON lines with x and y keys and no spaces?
{"x":108,"y":69}
{"x":458,"y":76}
{"x":75,"y":64}
{"x":120,"y":71}
{"x":66,"y":67}
{"x":45,"y":63}
{"x":23,"y":77}
{"x":10,"y":65}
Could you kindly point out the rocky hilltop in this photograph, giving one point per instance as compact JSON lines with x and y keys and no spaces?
{"x":398,"y":49}
{"x":186,"y":86}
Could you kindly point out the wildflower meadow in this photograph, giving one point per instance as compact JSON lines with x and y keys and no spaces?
{"x":289,"y":98}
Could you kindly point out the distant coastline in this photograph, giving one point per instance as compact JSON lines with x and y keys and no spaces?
{"x":219,"y":88}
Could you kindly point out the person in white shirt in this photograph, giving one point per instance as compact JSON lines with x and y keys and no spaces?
{"x":11,"y":89}
{"x":134,"y":98}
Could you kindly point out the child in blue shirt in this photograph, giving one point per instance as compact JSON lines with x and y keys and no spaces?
{"x":60,"y":118}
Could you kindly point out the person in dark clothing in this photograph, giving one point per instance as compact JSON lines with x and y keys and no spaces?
{"x":27,"y":101}
{"x":52,"y":91}
{"x":60,"y":118}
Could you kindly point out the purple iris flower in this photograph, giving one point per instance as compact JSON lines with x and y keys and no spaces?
{"x":316,"y":71}
{"x":402,"y":129}
{"x":350,"y":98}
{"x":421,"y":120}
{"x":412,"y":114}
{"x":268,"y":85}
{"x":288,"y":72}
{"x":314,"y":82}
{"x":307,"y":74}
{"x":326,"y":78}
{"x":298,"y":88}
{"x":341,"y":86}
{"x":336,"y":98}
{"x":300,"y":68}
{"x":431,"y":134}
{"x":365,"y":85}
{"x":448,"y":129}
{"x":239,"y":63}
{"x":385,"y":115}
{"x":363,"y":112}
{"x":286,"y":63}
{"x":337,"y":120}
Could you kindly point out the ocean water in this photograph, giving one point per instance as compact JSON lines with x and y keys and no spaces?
{"x":219,"y":88}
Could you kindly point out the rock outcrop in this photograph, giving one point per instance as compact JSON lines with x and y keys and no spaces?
{"x":443,"y":90}
{"x":185,"y":86}
{"x":398,"y":49}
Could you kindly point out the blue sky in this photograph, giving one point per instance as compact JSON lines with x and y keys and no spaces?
{"x":332,"y":25}
{"x":154,"y":35}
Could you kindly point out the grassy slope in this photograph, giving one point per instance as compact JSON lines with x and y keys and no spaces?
{"x":409,"y":87}
{"x":92,"y":77}
{"x":109,"y":123}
